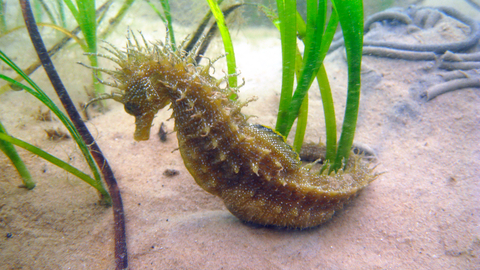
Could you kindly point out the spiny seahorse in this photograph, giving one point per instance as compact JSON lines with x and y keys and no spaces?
{"x":251,"y":167}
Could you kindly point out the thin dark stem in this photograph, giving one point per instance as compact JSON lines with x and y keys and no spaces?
{"x":212,"y":31}
{"x":210,"y":34}
{"x":121,"y":259}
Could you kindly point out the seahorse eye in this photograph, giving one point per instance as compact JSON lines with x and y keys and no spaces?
{"x":132,"y":108}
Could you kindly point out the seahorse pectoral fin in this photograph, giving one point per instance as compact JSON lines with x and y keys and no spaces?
{"x":143,"y":123}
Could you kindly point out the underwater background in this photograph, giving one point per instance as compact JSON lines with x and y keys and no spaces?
{"x":421,"y":213}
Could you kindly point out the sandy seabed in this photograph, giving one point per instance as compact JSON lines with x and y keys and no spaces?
{"x":421,"y":213}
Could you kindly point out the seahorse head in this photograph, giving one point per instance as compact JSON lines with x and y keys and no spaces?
{"x":137,"y":82}
{"x":146,"y":78}
{"x":143,"y":99}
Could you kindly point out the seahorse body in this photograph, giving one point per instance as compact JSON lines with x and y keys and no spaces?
{"x":251,"y":167}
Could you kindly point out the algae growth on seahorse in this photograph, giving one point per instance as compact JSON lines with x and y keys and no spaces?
{"x":251,"y":167}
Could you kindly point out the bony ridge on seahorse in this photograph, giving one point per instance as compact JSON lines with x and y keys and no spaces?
{"x":251,"y":167}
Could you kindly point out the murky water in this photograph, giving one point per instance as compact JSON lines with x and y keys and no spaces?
{"x":419,"y":114}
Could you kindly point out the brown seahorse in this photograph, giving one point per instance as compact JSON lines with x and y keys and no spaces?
{"x":251,"y":167}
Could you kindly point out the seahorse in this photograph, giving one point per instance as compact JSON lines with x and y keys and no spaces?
{"x":251,"y":167}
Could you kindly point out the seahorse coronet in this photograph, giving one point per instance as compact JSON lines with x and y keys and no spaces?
{"x":251,"y":167}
